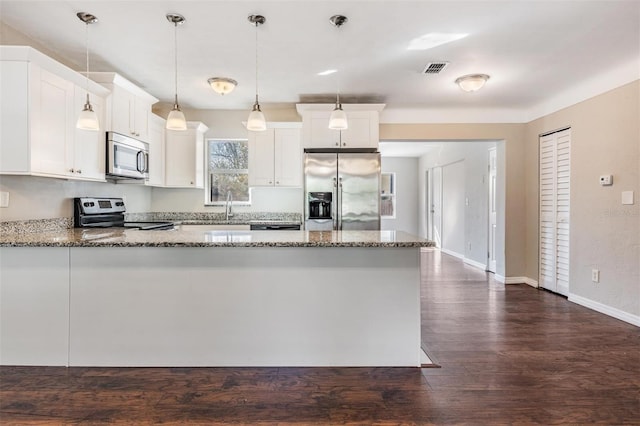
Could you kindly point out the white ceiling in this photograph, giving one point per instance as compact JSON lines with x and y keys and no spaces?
{"x":531,"y":49}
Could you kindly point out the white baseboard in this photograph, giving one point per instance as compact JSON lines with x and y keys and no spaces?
{"x":517,"y":280}
{"x":452,"y":253}
{"x":475,"y":263}
{"x":605,"y":309}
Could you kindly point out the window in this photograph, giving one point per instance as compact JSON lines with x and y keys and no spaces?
{"x":388,"y":195}
{"x":228,"y":171}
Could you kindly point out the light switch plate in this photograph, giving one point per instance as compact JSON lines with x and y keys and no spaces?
{"x":4,"y":199}
{"x":627,"y":197}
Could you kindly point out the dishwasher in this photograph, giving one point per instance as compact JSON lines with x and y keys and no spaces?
{"x":274,"y":227}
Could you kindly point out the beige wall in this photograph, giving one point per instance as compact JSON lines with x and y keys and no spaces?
{"x":604,"y":234}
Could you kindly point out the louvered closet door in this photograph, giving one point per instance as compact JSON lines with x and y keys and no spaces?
{"x":555,"y":171}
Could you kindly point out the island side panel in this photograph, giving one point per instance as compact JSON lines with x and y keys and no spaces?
{"x":253,"y":306}
{"x":34,"y":306}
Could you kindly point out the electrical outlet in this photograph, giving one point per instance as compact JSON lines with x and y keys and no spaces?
{"x":595,"y":275}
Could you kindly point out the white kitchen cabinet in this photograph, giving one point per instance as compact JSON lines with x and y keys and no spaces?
{"x":363,"y":131}
{"x":156,"y":150}
{"x":128,"y":106}
{"x":184,"y":156}
{"x":89,"y":146}
{"x":275,"y":157}
{"x":34,"y":305}
{"x":39,"y":107}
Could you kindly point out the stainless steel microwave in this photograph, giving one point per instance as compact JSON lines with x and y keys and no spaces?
{"x":127,"y":158}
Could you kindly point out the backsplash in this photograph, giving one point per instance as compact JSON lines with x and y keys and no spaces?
{"x":238,"y":217}
{"x":36,"y":225}
{"x":63,"y":223}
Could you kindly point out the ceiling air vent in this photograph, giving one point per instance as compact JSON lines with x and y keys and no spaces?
{"x":435,"y":67}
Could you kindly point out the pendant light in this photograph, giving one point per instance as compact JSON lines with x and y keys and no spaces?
{"x":338,"y":118}
{"x":256,"y":121}
{"x":176,"y":119}
{"x":88,"y":119}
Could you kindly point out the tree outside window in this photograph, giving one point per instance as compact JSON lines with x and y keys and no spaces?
{"x":228,"y":171}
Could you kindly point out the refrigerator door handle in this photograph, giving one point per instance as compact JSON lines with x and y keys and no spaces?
{"x":334,"y":198}
{"x":340,"y":203}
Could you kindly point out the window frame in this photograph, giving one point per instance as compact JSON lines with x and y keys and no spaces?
{"x":392,"y":195}
{"x":207,"y":192}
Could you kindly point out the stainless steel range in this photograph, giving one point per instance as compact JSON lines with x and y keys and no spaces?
{"x":92,"y":212}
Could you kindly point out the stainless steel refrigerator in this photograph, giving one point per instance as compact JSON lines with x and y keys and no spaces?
{"x":342,"y":191}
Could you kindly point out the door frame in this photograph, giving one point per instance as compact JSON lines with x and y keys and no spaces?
{"x":492,"y":222}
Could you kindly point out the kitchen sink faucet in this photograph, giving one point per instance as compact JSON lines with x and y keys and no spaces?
{"x":228,"y":212}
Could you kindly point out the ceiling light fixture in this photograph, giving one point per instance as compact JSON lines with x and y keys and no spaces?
{"x":222,"y":85}
{"x":327,"y":72}
{"x":431,"y":40}
{"x":338,"y":118}
{"x":176,"y":119}
{"x":256,"y":121}
{"x":472,"y":82}
{"x":88,"y":119}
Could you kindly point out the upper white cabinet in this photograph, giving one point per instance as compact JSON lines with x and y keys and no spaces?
{"x":128,"y":107}
{"x":275,"y":157}
{"x":39,"y":107}
{"x":156,"y":150}
{"x":363,"y":131}
{"x":184,"y":156}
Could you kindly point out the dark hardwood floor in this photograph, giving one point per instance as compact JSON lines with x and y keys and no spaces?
{"x":508,"y":355}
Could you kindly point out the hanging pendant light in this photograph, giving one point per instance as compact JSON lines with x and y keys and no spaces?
{"x":338,"y":118}
{"x":176,"y":119}
{"x":256,"y":121}
{"x":88,"y":119}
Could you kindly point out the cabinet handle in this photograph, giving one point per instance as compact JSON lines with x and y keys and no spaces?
{"x":270,"y":182}
{"x":137,"y":134}
{"x":79,"y":171}
{"x":344,"y":144}
{"x":337,"y":144}
{"x":72,"y":170}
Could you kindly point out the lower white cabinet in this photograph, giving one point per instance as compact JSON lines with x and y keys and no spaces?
{"x":184,"y":156}
{"x":40,"y":103}
{"x":34,"y":306}
{"x":275,"y":157}
{"x":156,"y":150}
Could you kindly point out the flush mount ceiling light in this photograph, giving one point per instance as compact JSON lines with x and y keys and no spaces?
{"x":176,"y":119}
{"x":327,"y":72}
{"x":338,"y":118}
{"x":256,"y":121}
{"x":472,"y":82}
{"x":88,"y":119}
{"x":222,"y":85}
{"x":431,"y":40}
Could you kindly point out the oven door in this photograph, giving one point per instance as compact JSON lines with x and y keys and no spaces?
{"x":126,"y":157}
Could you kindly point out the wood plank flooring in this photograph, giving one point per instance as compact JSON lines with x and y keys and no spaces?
{"x":509,"y":355}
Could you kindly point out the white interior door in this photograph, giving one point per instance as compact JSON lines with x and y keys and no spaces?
{"x":555,"y":170}
{"x":436,"y":205}
{"x":492,"y":211}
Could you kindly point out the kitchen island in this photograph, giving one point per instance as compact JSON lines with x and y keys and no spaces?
{"x":116,"y":297}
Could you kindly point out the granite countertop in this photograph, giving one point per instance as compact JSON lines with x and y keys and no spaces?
{"x":120,"y":237}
